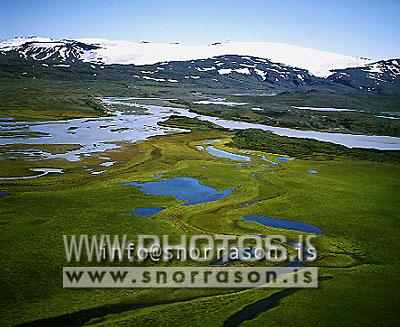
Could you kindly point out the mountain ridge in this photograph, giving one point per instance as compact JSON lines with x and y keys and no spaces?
{"x":318,"y":62}
{"x":74,"y":59}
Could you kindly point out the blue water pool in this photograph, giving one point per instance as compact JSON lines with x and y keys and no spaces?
{"x":183,"y":188}
{"x":225,"y":154}
{"x":283,"y":159}
{"x":147,"y":212}
{"x":284,"y":224}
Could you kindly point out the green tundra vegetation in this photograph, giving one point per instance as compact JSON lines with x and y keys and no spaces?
{"x":353,"y":199}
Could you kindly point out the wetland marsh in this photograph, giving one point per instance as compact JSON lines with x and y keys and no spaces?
{"x":171,"y":187}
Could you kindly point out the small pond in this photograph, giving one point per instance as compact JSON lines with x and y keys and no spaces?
{"x":284,"y":224}
{"x":283,"y":159}
{"x":225,"y":154}
{"x":182,"y":188}
{"x":147,"y":212}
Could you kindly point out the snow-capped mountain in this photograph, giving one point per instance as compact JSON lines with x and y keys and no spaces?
{"x":378,"y":76}
{"x":318,"y":63}
{"x":47,"y":49}
{"x":291,"y":69}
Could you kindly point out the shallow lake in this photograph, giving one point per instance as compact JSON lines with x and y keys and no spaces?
{"x":225,"y":154}
{"x":284,"y":224}
{"x":147,"y":212}
{"x":92,"y":134}
{"x":182,"y":188}
{"x":107,"y":163}
{"x":283,"y":159}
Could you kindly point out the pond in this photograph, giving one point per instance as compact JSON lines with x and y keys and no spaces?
{"x":182,"y":188}
{"x":284,"y":224}
{"x":108,"y":163}
{"x":283,"y":159}
{"x":147,"y":212}
{"x":252,"y":310}
{"x":225,"y":154}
